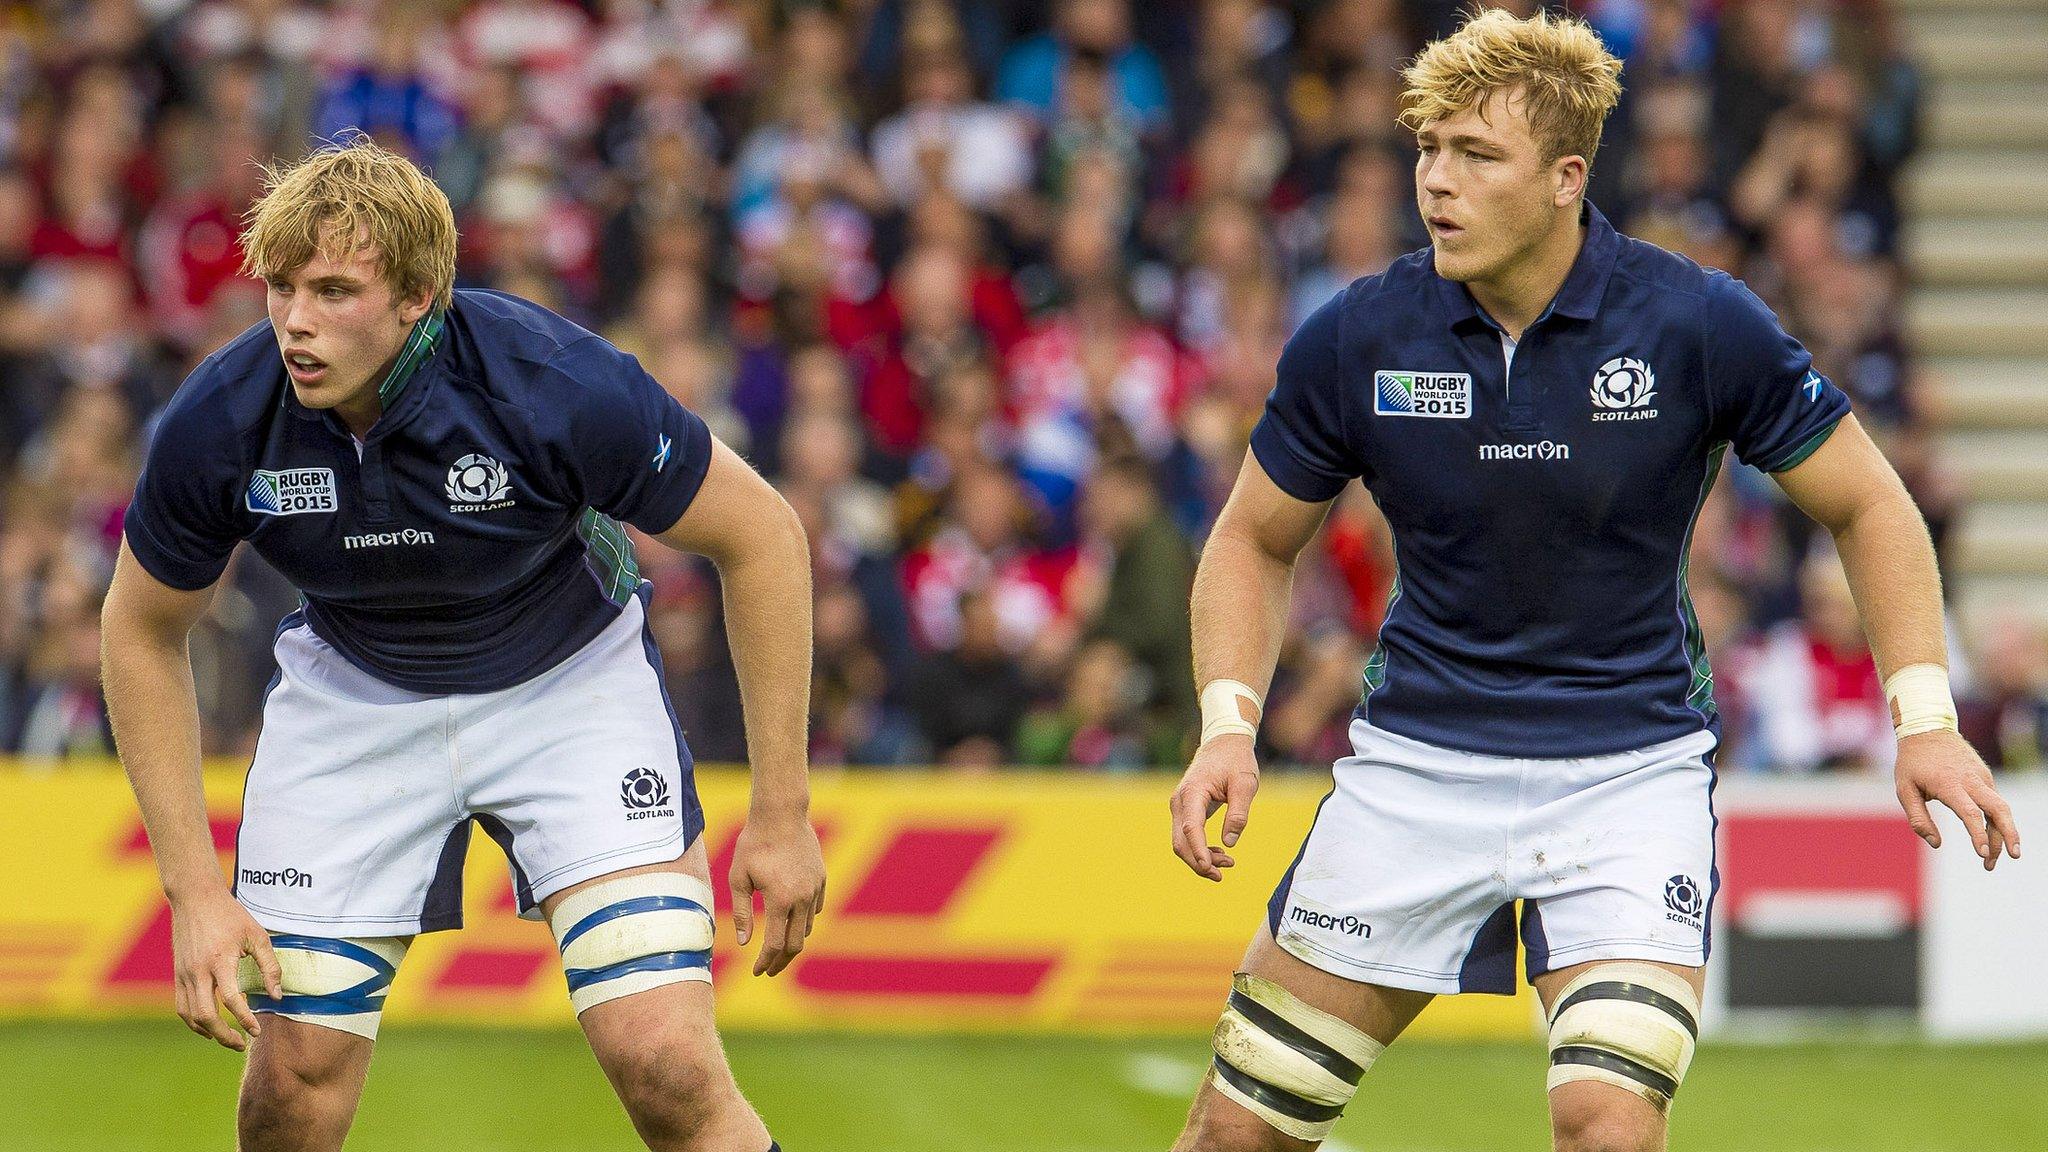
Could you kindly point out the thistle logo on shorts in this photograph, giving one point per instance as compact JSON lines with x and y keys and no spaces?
{"x":291,"y":492}
{"x":1622,"y":389}
{"x":477,"y":483}
{"x":645,"y":794}
{"x":279,"y":878}
{"x":1682,"y":896}
{"x":1439,"y":395}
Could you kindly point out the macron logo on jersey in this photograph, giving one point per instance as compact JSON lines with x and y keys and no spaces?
{"x":291,"y":492}
{"x":1438,"y":395}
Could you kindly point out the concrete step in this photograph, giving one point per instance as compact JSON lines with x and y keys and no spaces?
{"x":1915,"y":8}
{"x":2003,"y":537}
{"x":1979,"y":321}
{"x":2003,"y":465}
{"x":1950,"y":182}
{"x":1988,"y":392}
{"x":2008,"y":114}
{"x":1983,"y":599}
{"x":1982,"y":251}
{"x":1979,"y":45}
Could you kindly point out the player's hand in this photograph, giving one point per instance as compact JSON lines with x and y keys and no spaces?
{"x":1224,"y":774}
{"x":209,"y":936}
{"x":1942,"y":766}
{"x":780,"y":859}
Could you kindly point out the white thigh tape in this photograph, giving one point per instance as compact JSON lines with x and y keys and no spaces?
{"x":627,"y":935}
{"x":1631,"y":1025}
{"x":1287,"y":1062}
{"x":333,"y":983}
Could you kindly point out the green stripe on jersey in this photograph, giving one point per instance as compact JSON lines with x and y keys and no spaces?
{"x":610,"y":553}
{"x":420,"y":344}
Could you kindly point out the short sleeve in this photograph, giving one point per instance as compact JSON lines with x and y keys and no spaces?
{"x":633,"y":453}
{"x":1299,"y":440}
{"x":1770,"y":404}
{"x":186,"y":517}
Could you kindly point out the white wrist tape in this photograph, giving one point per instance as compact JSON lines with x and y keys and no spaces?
{"x":1920,"y":700}
{"x":1223,"y":715}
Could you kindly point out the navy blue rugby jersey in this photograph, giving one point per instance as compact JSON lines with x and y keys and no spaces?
{"x":1541,"y":495}
{"x":469,"y":543}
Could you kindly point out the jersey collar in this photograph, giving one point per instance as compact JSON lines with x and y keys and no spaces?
{"x":425,"y":337}
{"x":1584,"y":286}
{"x":419,"y":348}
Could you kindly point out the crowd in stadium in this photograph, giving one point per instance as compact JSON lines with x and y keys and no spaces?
{"x":993,"y":291}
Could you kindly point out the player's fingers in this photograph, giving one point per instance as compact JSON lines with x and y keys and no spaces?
{"x":1243,"y":786}
{"x":1966,"y":810}
{"x":742,"y":908}
{"x":206,"y":1012}
{"x":1194,"y":848}
{"x":774,"y":930}
{"x":1999,"y":813}
{"x":1188,"y":839}
{"x":1917,"y":816}
{"x":266,"y":963}
{"x":238,"y":1003}
{"x":793,"y":942}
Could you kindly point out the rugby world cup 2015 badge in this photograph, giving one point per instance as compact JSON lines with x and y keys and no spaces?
{"x":290,"y":492}
{"x":1437,"y":395}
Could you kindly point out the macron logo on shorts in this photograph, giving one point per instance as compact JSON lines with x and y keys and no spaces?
{"x":1328,"y":921}
{"x":278,"y":878}
{"x":291,"y":492}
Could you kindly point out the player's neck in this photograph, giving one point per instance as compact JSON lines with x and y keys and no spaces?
{"x":1520,"y":293}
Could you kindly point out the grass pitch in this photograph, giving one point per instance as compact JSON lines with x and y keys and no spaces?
{"x":154,"y":1086}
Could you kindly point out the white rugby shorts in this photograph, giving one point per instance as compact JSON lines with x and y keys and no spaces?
{"x":1410,"y":874}
{"x":360,"y":800}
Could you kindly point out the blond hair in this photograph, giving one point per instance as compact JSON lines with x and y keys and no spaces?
{"x":349,"y":198}
{"x":1561,"y":69}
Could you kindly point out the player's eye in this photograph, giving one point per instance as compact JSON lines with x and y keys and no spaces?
{"x":281,"y":287}
{"x":332,"y":292}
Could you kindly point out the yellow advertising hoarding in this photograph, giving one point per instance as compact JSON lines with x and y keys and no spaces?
{"x":1015,"y":902}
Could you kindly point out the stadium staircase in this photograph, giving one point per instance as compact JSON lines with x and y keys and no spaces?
{"x":1977,"y":242}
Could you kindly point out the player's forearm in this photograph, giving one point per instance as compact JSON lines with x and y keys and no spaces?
{"x":155,"y":713}
{"x":1889,"y":560}
{"x":768,"y":620}
{"x":1239,"y":610}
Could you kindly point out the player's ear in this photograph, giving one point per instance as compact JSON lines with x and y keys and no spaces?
{"x":415,"y":305}
{"x":1568,"y":180}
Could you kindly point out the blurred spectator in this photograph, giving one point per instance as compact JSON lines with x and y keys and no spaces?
{"x":1098,"y":723}
{"x":2006,"y":714}
{"x":389,"y":96}
{"x":1810,"y":689}
{"x":944,"y":138}
{"x":970,"y":696}
{"x":1146,"y":572}
{"x":1035,"y":72}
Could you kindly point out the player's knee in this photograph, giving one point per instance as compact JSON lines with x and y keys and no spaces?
{"x":1288,"y":1064}
{"x":633,"y":933}
{"x":673,"y":1097}
{"x":1605,"y":1129}
{"x":289,"y":1097}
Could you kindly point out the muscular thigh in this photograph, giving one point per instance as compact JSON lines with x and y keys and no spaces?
{"x":1378,"y":1011}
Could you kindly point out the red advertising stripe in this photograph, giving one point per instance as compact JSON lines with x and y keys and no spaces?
{"x":921,"y":871}
{"x":938,"y":976}
{"x":223,"y":829}
{"x":483,"y":969}
{"x":1820,"y":854}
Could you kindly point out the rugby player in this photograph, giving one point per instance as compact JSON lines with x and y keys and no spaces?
{"x":1538,"y":405}
{"x":443,"y":474}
